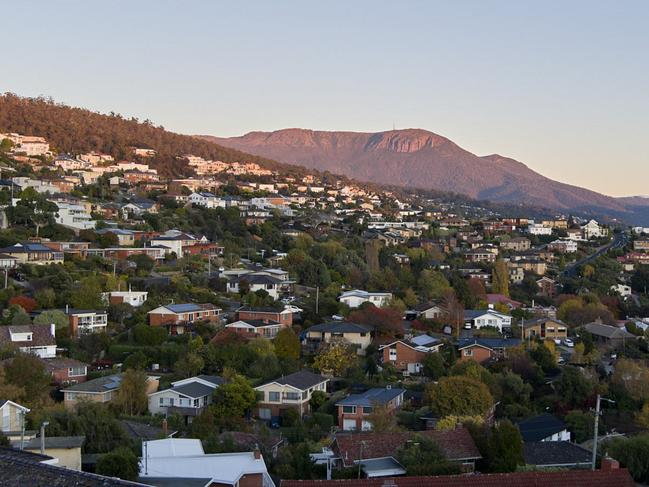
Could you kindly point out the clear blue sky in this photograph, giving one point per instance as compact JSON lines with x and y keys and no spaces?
{"x":561,"y":86}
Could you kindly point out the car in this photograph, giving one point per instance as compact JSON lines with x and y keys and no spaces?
{"x":337,"y":317}
{"x":557,"y":341}
{"x":568,"y":342}
{"x":467,"y":326}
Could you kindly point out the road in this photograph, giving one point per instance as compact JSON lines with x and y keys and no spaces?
{"x":619,"y":240}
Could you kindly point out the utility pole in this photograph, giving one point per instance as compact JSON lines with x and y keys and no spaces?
{"x":317,"y":299}
{"x":43,"y":425}
{"x":597,"y":408}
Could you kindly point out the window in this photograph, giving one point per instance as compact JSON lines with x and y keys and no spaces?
{"x":162,"y":401}
{"x":273,"y":396}
{"x":76,"y":371}
{"x":292,"y":396}
{"x":171,"y":401}
{"x":367,"y":410}
{"x":349,"y":409}
{"x":468,"y":352}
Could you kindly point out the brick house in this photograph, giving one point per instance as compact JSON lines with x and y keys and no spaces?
{"x":545,"y":329}
{"x":84,"y":321}
{"x":284,"y":316}
{"x":103,"y":389}
{"x":289,"y":392}
{"x":177,"y":317}
{"x":66,"y":371}
{"x":256,"y":328}
{"x":409,"y":355}
{"x":355,"y":408}
{"x":39,"y":340}
{"x":483,"y":349}
{"x":134,"y":298}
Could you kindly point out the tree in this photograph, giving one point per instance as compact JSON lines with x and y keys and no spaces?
{"x":633,"y":378}
{"x":432,"y":284}
{"x":633,"y":453}
{"x":318,"y":399}
{"x":422,"y":456}
{"x":88,"y":294}
{"x":382,"y":419}
{"x":450,"y":422}
{"x":386,"y":321}
{"x":500,"y":278}
{"x":573,"y":387}
{"x":505,"y":447}
{"x":27,"y":371}
{"x":581,"y":425}
{"x":336,"y":359}
{"x":287,"y":344}
{"x":434,"y":366}
{"x":121,"y":463}
{"x":131,"y":396}
{"x":56,"y":316}
{"x":25,"y":302}
{"x":458,"y":395}
{"x":189,"y":365}
{"x":234,"y":399}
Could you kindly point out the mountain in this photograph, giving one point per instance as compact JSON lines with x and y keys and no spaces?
{"x":421,"y":159}
{"x":77,"y":130}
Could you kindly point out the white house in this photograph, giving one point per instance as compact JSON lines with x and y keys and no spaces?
{"x":356,"y":297}
{"x":538,"y":229}
{"x":256,"y":282}
{"x":206,"y":199}
{"x":37,"y":339}
{"x":183,"y":462}
{"x":134,"y":298}
{"x":592,"y":229}
{"x":74,"y":216}
{"x":487,"y":317}
{"x":187,"y":397}
{"x":622,"y":289}
{"x":13,"y":417}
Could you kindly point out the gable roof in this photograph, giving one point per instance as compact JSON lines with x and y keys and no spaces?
{"x":490,"y":343}
{"x":377,"y":395}
{"x":456,"y":444}
{"x":41,"y":335}
{"x":98,"y":385}
{"x":555,"y":454}
{"x":302,"y":380}
{"x":540,"y":427}
{"x":340,"y":327}
{"x":569,"y":478}
{"x":56,"y":442}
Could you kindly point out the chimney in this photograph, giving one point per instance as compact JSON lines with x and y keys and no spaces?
{"x":609,"y":463}
{"x":491,"y":306}
{"x":53,"y":330}
{"x":164,"y":427}
{"x":67,"y":308}
{"x":257,"y":453}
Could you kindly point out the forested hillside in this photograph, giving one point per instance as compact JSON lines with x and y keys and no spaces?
{"x":76,"y":130}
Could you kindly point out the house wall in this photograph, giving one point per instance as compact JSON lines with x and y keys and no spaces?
{"x":478,"y":354}
{"x":359,"y":418}
{"x":70,"y":401}
{"x":68,"y":457}
{"x":62,"y":375}
{"x":10,"y":418}
{"x":283,"y":318}
{"x":405,"y":355}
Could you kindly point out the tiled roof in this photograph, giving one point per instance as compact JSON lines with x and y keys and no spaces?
{"x":456,"y":444}
{"x":340,"y":327}
{"x":193,"y":389}
{"x":41,"y":335}
{"x":300,"y":380}
{"x":570,"y":478}
{"x":99,"y":385}
{"x":56,"y":442}
{"x":492,"y":343}
{"x":540,"y":427}
{"x":368,"y":398}
{"x":555,"y":454}
{"x":18,"y":468}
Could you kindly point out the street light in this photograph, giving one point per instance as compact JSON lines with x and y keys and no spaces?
{"x":43,"y":425}
{"x":597,"y":405}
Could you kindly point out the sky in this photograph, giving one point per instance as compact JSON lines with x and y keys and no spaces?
{"x":561,"y":86}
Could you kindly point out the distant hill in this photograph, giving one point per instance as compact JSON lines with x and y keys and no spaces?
{"x":421,"y":159}
{"x":76,"y":130}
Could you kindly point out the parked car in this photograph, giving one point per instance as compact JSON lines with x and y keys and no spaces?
{"x":568,"y":343}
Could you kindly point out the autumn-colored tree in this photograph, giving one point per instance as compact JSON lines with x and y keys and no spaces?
{"x":458,"y":395}
{"x":454,"y":311}
{"x":336,"y":359}
{"x":633,"y":378}
{"x":450,"y":422}
{"x":27,"y":371}
{"x":25,"y":302}
{"x":287,"y":344}
{"x":386,"y":321}
{"x":382,"y":419}
{"x":131,"y":396}
{"x":500,"y":278}
{"x":477,"y":289}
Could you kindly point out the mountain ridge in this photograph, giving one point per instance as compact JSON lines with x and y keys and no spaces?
{"x":418,"y":158}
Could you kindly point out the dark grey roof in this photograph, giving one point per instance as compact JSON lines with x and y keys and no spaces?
{"x":194,"y":390}
{"x":376,"y":395}
{"x":101,"y":384}
{"x":340,"y":327}
{"x":540,"y":427}
{"x":607,"y":331}
{"x":20,"y":468}
{"x":6,"y":451}
{"x":141,"y":431}
{"x":555,"y":454}
{"x":56,"y":442}
{"x":214,"y":379}
{"x":493,"y":343}
{"x":175,"y":481}
{"x":301,"y":380}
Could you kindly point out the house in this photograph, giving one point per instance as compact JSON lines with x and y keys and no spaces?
{"x":641,"y":244}
{"x":74,"y":216}
{"x":539,"y":229}
{"x":484,"y":349}
{"x":288,"y":392}
{"x":610,"y":335}
{"x":353,"y":448}
{"x":545,"y":427}
{"x":33,"y":253}
{"x":134,"y":298}
{"x":66,"y":371}
{"x":7,"y":262}
{"x":177,"y":317}
{"x":125,"y":238}
{"x":563,"y":246}
{"x":592,"y":229}
{"x":103,"y":389}
{"x":356,"y":297}
{"x":481,"y":254}
{"x":409,"y":355}
{"x":84,"y":321}
{"x":517,"y":244}
{"x":206,"y":200}
{"x":256,"y":328}
{"x":545,"y":329}
{"x":479,"y":318}
{"x":355,"y":408}
{"x":547,"y":287}
{"x":39,"y":340}
{"x":187,"y":397}
{"x":556,"y":454}
{"x":609,"y":475}
{"x":256,"y":282}
{"x":493,"y":299}
{"x":182,"y":461}
{"x":622,"y":289}
{"x":359,"y":336}
{"x":283,"y":316}
{"x":13,"y":417}
{"x":30,"y":469}
{"x":430,"y":311}
{"x":66,"y":449}
{"x":138,"y":207}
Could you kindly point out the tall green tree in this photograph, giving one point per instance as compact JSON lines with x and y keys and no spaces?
{"x":287,"y":344}
{"x":505,"y":447}
{"x":121,"y":463}
{"x":500,"y":278}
